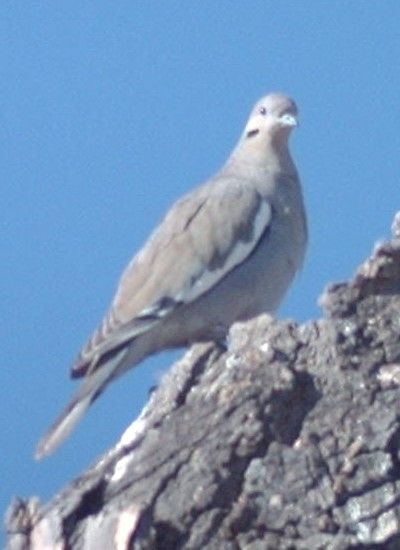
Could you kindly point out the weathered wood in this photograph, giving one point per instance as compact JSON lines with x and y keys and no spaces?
{"x":289,"y":439}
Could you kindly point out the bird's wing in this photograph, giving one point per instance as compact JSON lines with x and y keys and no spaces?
{"x":204,"y":236}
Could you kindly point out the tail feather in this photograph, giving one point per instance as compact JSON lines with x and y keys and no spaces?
{"x":62,"y":428}
{"x":91,"y":388}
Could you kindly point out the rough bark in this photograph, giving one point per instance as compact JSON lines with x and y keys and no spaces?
{"x":288,"y":440}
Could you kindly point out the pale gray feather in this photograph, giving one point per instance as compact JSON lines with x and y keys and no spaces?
{"x":227,"y":251}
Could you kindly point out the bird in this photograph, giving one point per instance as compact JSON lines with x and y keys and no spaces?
{"x":226,"y":251}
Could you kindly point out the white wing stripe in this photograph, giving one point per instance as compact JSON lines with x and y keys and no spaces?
{"x":238,"y":254}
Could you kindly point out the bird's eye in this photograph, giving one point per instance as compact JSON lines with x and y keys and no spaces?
{"x":263,"y":111}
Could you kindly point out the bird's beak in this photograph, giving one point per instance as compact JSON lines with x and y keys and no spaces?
{"x":288,"y":120}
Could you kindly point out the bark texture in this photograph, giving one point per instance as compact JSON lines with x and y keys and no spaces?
{"x":290,"y":439}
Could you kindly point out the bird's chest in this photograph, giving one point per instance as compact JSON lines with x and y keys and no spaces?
{"x":288,"y":232}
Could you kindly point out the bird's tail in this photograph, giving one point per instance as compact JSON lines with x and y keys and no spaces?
{"x":90,"y":389}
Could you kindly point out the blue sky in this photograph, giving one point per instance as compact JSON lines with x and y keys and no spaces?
{"x":109,"y":112}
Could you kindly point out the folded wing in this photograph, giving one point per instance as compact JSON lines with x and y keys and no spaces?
{"x":189,"y":253}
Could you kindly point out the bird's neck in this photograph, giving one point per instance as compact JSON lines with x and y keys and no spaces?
{"x":272,"y":156}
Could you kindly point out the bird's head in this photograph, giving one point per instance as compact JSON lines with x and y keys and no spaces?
{"x":264,"y":141}
{"x":271,"y":120}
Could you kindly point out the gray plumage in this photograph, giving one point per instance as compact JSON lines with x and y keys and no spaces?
{"x":225,"y":252}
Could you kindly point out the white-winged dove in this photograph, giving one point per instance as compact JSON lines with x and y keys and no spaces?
{"x":227,"y":251}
